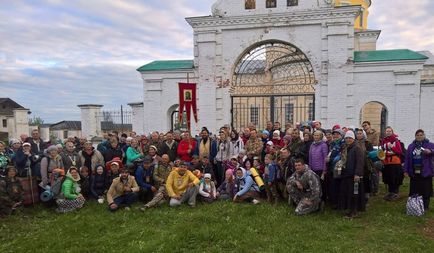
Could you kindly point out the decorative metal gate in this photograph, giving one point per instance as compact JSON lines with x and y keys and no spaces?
{"x":273,"y":81}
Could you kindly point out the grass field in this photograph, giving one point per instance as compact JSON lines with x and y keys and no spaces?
{"x":219,"y":227}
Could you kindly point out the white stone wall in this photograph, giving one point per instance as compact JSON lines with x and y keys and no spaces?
{"x":21,"y":122}
{"x":44,"y":132}
{"x":427,"y":114}
{"x":60,"y":133}
{"x":137,"y":117}
{"x":325,"y":35}
{"x":235,"y":8}
{"x":396,"y":85}
{"x":90,"y":123}
{"x":161,"y":98}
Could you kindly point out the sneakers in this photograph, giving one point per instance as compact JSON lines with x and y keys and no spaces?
{"x":255,"y":201}
{"x":144,"y":208}
{"x":127,"y":208}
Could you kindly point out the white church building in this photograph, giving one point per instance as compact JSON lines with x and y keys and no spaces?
{"x":291,"y":61}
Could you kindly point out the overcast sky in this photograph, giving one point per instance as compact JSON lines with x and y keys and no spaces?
{"x":57,"y":54}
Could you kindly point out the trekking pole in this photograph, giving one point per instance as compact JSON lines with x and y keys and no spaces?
{"x":31,"y":185}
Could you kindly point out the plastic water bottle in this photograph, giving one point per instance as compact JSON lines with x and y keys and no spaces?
{"x":356,"y":188}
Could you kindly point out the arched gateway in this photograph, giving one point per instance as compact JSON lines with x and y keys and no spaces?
{"x":272,"y":81}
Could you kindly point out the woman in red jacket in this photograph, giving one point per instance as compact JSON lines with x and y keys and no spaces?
{"x":186,"y":147}
{"x":393,"y":174}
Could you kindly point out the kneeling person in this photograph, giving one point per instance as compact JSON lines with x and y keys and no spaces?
{"x":304,"y":189}
{"x":123,"y":191}
{"x":182,"y":186}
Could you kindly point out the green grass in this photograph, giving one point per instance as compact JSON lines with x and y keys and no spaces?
{"x":219,"y":227}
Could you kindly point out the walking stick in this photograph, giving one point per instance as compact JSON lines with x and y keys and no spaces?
{"x":29,"y":173}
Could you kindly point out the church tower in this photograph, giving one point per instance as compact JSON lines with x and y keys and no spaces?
{"x":361,"y":21}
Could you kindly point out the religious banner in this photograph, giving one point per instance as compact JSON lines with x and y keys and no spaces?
{"x":187,"y":99}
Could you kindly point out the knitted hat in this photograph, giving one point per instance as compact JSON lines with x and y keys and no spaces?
{"x":270,"y":143}
{"x":350,"y":134}
{"x":207,"y":175}
{"x":266,"y":132}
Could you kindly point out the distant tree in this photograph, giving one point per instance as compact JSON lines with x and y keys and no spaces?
{"x":36,"y":121}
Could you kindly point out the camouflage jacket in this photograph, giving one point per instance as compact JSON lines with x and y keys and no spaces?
{"x":161,"y":172}
{"x":310,"y":182}
{"x":254,"y":146}
{"x":10,"y":191}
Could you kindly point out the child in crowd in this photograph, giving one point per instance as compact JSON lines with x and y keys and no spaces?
{"x":85,"y":181}
{"x":207,"y":190}
{"x":99,"y":184}
{"x":270,"y":178}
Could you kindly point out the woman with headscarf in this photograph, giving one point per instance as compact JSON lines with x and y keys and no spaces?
{"x":419,"y":166}
{"x":366,"y":147}
{"x":71,"y":198}
{"x":392,"y":173}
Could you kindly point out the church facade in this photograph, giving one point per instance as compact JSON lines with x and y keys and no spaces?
{"x":291,"y":61}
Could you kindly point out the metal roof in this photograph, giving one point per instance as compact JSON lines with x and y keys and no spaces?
{"x":167,"y":65}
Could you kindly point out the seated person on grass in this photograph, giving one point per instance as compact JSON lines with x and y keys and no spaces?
{"x":11,"y":192}
{"x":123,"y":191}
{"x":144,"y":178}
{"x":207,"y":190}
{"x":247,"y":189}
{"x":71,"y":198}
{"x":182,"y":186}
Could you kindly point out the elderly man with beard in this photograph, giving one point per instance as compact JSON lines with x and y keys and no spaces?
{"x":206,"y":146}
{"x":90,"y":157}
{"x":70,"y":156}
{"x":182,"y":186}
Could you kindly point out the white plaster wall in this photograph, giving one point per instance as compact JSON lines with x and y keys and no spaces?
{"x":137,"y":118}
{"x":396,"y":86}
{"x":427,"y":113}
{"x":90,"y":123}
{"x":161,"y":92}
{"x":21,"y":122}
{"x":44,"y":132}
{"x":234,"y":8}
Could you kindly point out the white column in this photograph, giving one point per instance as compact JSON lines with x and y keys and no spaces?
{"x":90,"y":120}
{"x":21,"y":122}
{"x":137,"y":117}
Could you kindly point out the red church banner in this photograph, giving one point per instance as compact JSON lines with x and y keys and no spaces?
{"x":187,"y":99}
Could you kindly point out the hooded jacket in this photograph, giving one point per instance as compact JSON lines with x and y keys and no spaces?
{"x":70,"y":187}
{"x":246,"y":183}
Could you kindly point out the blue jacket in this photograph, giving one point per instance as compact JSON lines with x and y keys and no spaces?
{"x":246,"y":184}
{"x":212,"y":152}
{"x":142,"y":174}
{"x":273,"y":172}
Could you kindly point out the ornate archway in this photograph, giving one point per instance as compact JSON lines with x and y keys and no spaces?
{"x":272,"y":81}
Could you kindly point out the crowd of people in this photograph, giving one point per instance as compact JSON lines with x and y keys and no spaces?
{"x":304,"y":165}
